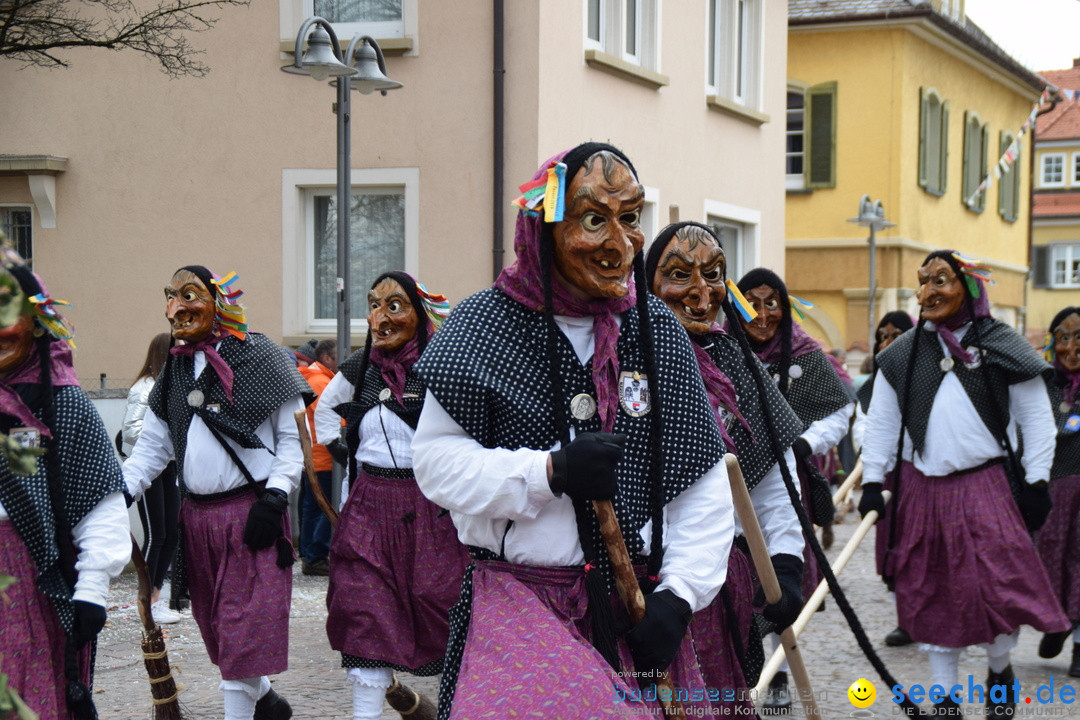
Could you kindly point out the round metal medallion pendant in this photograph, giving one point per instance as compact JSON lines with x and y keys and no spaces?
{"x":582,"y":406}
{"x":195,"y":398}
{"x":795,"y":372}
{"x":946,"y":364}
{"x":385,"y":394}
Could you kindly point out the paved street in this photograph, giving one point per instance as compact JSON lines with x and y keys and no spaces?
{"x":315,"y":683}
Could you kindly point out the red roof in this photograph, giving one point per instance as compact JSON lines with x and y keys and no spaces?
{"x":1056,"y":204}
{"x":1063,"y":122}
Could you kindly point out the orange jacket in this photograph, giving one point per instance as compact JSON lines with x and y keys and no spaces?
{"x":318,"y":378}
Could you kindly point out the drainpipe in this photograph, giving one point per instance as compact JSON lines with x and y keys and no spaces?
{"x":498,"y":98}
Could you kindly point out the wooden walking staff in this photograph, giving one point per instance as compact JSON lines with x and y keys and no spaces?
{"x":629,"y":590}
{"x":164,"y":692}
{"x":811,"y":606}
{"x":309,"y":469}
{"x":849,"y":483}
{"x":759,"y":553}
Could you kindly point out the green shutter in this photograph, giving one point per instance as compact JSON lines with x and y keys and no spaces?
{"x":943,"y":163}
{"x":1040,"y":266}
{"x":821,"y":135}
{"x":984,"y":133}
{"x":924,"y":139}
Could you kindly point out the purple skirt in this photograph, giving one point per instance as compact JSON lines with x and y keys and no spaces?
{"x":714,"y":641}
{"x":527,"y":653}
{"x":31,"y":639}
{"x":966,"y":570}
{"x":1059,"y":544}
{"x":395,"y":570}
{"x":239,"y":598}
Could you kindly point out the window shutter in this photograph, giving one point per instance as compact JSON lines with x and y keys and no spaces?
{"x":944,"y":161}
{"x":1014,"y":209}
{"x":1040,"y":266}
{"x":924,"y":139}
{"x":984,"y":132}
{"x":821,"y":119}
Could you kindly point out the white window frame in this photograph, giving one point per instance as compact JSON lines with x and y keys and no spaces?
{"x":1043,"y":162}
{"x":613,"y":14}
{"x":650,"y":215}
{"x":293,"y":13}
{"x":795,"y":181}
{"x":730,"y":74}
{"x":1075,"y":170}
{"x":1066,"y":253}
{"x":750,"y":219}
{"x":297,"y":239}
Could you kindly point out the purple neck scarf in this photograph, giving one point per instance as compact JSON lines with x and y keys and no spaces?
{"x":221,"y":368}
{"x":63,"y":373}
{"x":945,"y":329}
{"x":1072,"y":384}
{"x":523,"y":283}
{"x":394,"y":365}
{"x":720,"y":390}
{"x":801,"y":344}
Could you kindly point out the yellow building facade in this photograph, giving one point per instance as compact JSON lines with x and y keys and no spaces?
{"x":923,"y":104}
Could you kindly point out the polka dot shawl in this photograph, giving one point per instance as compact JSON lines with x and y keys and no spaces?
{"x":89,"y":472}
{"x":488,"y":368}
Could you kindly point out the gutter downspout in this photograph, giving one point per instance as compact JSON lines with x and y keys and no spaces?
{"x":498,"y":138}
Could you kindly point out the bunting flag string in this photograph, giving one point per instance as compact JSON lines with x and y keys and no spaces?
{"x":1013,"y":151}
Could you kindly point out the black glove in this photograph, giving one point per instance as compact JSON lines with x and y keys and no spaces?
{"x":89,"y":619}
{"x":789,"y":570}
{"x":264,"y":520}
{"x":339,"y":451}
{"x":871,"y":500}
{"x":585,"y":469}
{"x":801,"y":448}
{"x":655,"y":640}
{"x":1034,"y":502}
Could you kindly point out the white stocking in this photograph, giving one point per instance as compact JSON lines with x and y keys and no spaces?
{"x":241,"y":696}
{"x":369,"y":690}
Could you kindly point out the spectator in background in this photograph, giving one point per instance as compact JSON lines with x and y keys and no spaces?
{"x":314,"y":525}
{"x":306,"y":354}
{"x":159,"y":507}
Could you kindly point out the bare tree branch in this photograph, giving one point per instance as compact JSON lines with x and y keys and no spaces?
{"x":31,"y":31}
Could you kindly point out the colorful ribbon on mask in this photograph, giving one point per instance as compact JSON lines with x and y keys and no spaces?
{"x":795,"y":302}
{"x":230,"y":313}
{"x":973,"y":271}
{"x":436,"y":307}
{"x":548,"y":191}
{"x":738,"y":300}
{"x":45,"y":312}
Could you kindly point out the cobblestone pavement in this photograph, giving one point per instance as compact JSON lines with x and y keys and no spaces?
{"x":315,"y":684}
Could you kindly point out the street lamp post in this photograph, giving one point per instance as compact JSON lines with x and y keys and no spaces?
{"x":361,"y":67}
{"x":872,"y":215}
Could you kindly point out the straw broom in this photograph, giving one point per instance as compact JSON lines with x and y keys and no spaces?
{"x":163,"y":689}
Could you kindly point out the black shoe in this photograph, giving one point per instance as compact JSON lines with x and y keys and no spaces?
{"x":1051,"y":644}
{"x":947,"y":708}
{"x":1005,"y":708}
{"x":898,"y":638}
{"x":777,"y":697}
{"x":1074,"y":669}
{"x":272,"y":706}
{"x":320,"y":568}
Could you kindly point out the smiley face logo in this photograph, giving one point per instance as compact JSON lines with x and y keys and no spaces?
{"x":862,"y":693}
